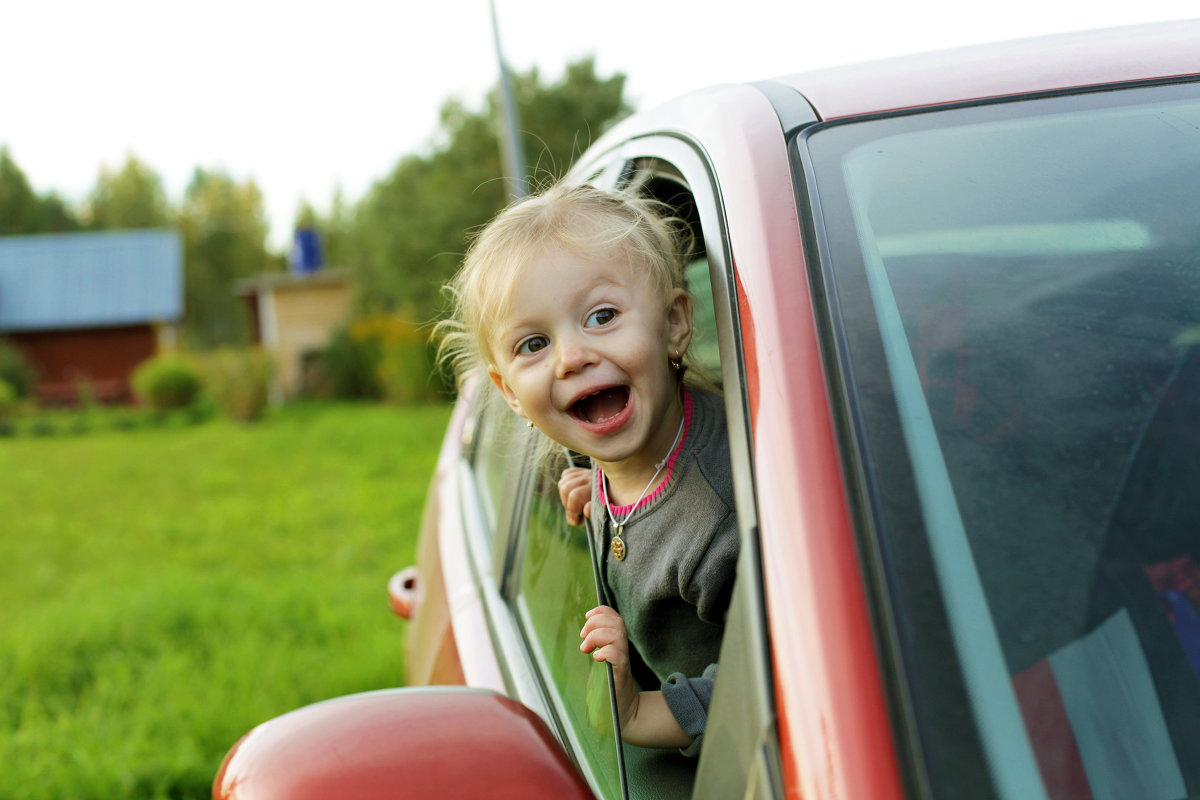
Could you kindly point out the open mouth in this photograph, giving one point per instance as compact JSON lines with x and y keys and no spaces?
{"x":601,"y":406}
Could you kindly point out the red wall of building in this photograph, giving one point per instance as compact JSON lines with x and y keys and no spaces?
{"x":104,"y":357}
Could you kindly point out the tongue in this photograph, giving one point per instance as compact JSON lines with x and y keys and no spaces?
{"x":603,"y":405}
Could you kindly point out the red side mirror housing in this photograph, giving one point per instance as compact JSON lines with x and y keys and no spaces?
{"x":445,"y":742}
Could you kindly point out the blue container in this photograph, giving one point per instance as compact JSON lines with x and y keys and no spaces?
{"x":306,"y":252}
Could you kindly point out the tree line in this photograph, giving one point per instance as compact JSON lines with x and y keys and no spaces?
{"x":401,"y":240}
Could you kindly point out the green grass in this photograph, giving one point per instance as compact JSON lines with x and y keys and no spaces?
{"x":166,"y":589}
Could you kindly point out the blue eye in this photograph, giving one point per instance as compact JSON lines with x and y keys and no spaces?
{"x":601,"y":317}
{"x":532,"y":345}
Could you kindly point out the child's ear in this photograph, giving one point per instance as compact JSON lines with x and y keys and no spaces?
{"x":509,"y":396}
{"x":679,"y":323}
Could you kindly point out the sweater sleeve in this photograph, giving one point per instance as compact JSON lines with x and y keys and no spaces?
{"x":710,"y":586}
{"x":688,"y":699}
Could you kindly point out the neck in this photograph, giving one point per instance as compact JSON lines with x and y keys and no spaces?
{"x":638,"y":476}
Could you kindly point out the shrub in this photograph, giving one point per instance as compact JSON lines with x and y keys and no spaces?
{"x":8,"y":402}
{"x":239,"y":382}
{"x":85,"y":396}
{"x":167,"y":382}
{"x":348,"y":368}
{"x":404,"y":373}
{"x":15,"y":369}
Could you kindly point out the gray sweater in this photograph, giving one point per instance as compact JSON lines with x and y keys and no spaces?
{"x":673,"y":587}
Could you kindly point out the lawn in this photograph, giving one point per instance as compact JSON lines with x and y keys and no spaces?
{"x":165,"y":589}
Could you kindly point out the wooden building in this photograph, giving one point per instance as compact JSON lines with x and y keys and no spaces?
{"x":293,"y":316}
{"x":88,"y":308}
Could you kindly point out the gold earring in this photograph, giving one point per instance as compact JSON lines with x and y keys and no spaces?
{"x":529,"y":422}
{"x":675,"y":365}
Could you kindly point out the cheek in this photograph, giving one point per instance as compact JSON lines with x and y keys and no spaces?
{"x":531,"y":385}
{"x":649,"y":354}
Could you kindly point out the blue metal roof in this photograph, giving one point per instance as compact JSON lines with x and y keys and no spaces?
{"x":89,"y":280}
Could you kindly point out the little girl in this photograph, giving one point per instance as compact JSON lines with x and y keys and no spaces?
{"x":574,"y":304}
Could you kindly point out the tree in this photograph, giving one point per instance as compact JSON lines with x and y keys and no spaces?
{"x":55,"y":216}
{"x":132,"y":197}
{"x":566,"y":117}
{"x":412,"y":227}
{"x":224,"y":230}
{"x":22,"y":211}
{"x":337,"y":230}
{"x":306,"y":217}
{"x":19,"y":207}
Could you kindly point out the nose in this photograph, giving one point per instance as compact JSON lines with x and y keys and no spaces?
{"x":572,"y":357}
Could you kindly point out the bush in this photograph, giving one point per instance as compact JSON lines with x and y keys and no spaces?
{"x":8,"y":402}
{"x":381,"y":356}
{"x":348,"y":368}
{"x":15,"y":369}
{"x":167,"y":382}
{"x":239,"y":382}
{"x":408,"y":373}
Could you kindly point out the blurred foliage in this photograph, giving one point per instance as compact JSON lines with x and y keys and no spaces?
{"x":239,"y":381}
{"x":16,"y":370}
{"x":129,"y":198}
{"x":224,"y":228}
{"x":402,"y":240}
{"x":9,"y":402}
{"x":22,"y":211}
{"x":404,"y":368}
{"x":167,"y":382}
{"x":406,"y":237}
{"x":347,"y":368}
{"x":378,"y":357}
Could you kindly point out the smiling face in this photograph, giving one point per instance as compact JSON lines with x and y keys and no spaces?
{"x":583,"y":353}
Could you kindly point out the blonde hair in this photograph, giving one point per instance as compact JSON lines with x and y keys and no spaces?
{"x":583,"y":221}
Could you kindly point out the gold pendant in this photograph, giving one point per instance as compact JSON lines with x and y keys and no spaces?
{"x":618,"y":548}
{"x":617,"y":545}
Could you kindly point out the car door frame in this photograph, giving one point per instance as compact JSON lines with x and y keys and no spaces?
{"x":741,"y":757}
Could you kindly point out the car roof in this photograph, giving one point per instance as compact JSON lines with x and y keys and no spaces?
{"x":1131,"y":54}
{"x":1047,"y":64}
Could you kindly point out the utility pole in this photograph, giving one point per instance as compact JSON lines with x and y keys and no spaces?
{"x":512,"y":151}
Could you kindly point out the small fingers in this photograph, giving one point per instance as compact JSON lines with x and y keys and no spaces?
{"x":572,"y":477}
{"x":602,"y":628}
{"x":604,"y":612}
{"x":601,"y":638}
{"x":575,"y":492}
{"x":618,"y":658}
{"x":613,"y":655}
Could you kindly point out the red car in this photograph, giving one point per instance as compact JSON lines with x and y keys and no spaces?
{"x":953,"y":302}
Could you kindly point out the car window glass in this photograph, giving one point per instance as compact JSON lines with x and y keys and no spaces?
{"x":556,"y":589}
{"x":1020,"y":294}
{"x":495,"y":460}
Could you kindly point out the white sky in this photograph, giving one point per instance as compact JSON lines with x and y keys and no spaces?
{"x":305,"y":97}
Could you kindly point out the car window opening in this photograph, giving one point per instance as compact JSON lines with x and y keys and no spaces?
{"x":555,"y":581}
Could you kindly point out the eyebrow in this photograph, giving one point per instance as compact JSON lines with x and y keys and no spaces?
{"x":508,"y":334}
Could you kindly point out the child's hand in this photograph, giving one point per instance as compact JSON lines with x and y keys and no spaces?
{"x":575,"y":491}
{"x":646,"y":720}
{"x":605,"y":638}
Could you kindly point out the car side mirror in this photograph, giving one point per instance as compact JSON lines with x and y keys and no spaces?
{"x":446,"y":742}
